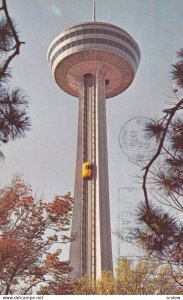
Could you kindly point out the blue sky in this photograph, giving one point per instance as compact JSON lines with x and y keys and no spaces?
{"x":46,"y":158}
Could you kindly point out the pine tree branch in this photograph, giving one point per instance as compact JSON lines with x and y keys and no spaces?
{"x":173,"y":276}
{"x":170,"y":154}
{"x":170,"y":113}
{"x":15,"y":36}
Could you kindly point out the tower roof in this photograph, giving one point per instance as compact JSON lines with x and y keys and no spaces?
{"x":88,"y":47}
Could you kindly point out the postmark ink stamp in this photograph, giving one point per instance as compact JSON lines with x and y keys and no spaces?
{"x":133,"y":141}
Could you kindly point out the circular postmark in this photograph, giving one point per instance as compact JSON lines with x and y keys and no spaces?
{"x":133,"y":141}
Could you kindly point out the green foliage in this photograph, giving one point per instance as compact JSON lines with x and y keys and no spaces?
{"x":6,"y":36}
{"x":146,"y":277}
{"x":153,"y":129}
{"x":160,"y":232}
{"x":14,"y":121}
{"x":177,"y":72}
{"x":107,"y":284}
{"x":83,"y":287}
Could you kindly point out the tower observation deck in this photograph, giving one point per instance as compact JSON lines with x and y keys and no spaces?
{"x":92,"y":61}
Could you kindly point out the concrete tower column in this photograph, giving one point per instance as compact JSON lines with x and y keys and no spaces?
{"x":77,"y":219}
{"x":92,"y":246}
{"x":104,"y":245}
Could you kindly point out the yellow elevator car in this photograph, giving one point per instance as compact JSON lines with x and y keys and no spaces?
{"x":87,"y":170}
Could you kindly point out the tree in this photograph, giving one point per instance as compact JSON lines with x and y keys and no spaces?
{"x":14,"y":121}
{"x":104,"y":286}
{"x":31,"y":235}
{"x":83,"y":286}
{"x":160,"y":232}
{"x":145,"y":277}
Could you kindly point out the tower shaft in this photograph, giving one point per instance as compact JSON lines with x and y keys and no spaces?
{"x":91,"y":251}
{"x":92,"y":61}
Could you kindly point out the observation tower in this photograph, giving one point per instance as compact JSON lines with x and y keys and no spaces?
{"x":92,"y":61}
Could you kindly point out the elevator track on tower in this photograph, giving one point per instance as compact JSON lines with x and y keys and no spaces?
{"x":89,"y":186}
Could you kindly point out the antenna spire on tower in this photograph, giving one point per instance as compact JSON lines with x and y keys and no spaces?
{"x":93,"y":11}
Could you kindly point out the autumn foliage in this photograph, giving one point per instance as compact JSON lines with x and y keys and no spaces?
{"x":31,"y":232}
